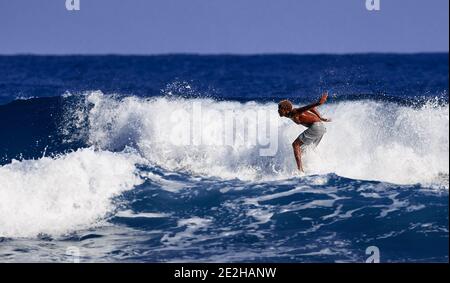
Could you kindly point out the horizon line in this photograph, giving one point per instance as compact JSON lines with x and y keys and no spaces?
{"x":226,"y":54}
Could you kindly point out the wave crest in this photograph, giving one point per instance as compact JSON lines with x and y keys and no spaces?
{"x":366,"y":140}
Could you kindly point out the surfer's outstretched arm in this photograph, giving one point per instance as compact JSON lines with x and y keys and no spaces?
{"x":322,"y":100}
{"x":314,"y":110}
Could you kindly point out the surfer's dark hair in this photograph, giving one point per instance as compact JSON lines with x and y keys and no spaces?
{"x":285,"y":105}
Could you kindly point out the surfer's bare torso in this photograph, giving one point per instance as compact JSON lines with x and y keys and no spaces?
{"x":305,"y":118}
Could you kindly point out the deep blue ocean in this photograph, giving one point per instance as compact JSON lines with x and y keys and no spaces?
{"x":183,"y":158}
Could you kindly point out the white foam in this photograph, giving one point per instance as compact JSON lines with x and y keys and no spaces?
{"x":262,"y":216}
{"x":366,"y":140}
{"x":131,"y":214}
{"x":55,"y":196}
{"x":167,"y":185}
{"x":386,"y":142}
{"x":193,"y":225}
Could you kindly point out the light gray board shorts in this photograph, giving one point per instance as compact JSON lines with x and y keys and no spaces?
{"x":313,"y":135}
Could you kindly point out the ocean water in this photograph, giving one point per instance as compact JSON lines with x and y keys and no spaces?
{"x":182,"y":158}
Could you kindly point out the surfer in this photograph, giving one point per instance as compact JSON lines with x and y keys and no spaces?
{"x":309,"y":117}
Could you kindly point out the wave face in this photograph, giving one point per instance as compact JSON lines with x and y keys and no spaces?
{"x":367,"y":140}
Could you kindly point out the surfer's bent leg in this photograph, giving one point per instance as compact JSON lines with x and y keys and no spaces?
{"x":297,"y":145}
